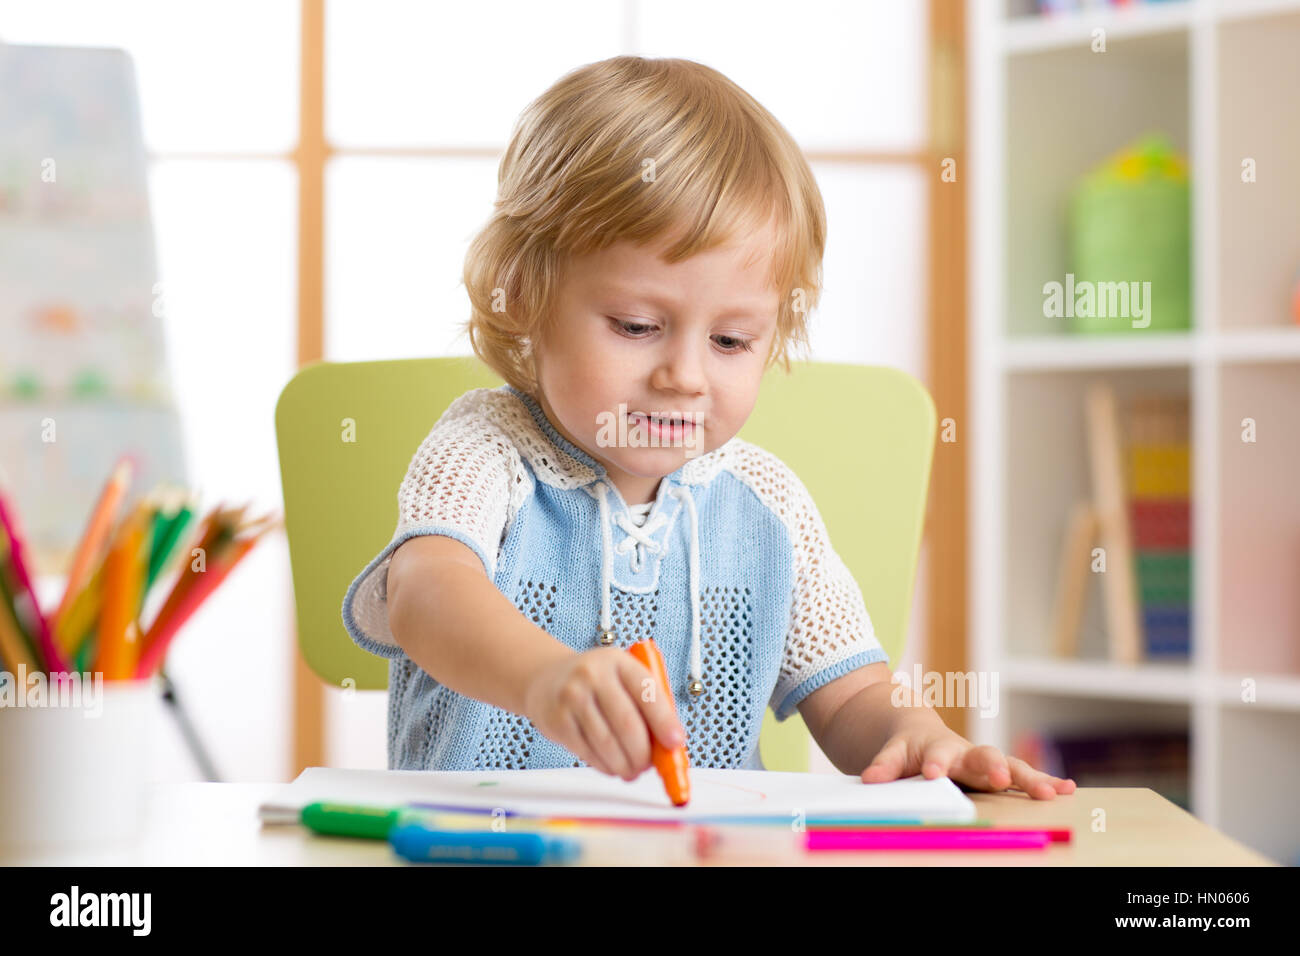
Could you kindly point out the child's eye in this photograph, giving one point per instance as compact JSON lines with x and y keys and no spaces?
{"x":730,"y":343}
{"x":637,"y":330}
{"x":634,"y":329}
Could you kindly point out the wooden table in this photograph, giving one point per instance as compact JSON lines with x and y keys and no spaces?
{"x":215,"y":824}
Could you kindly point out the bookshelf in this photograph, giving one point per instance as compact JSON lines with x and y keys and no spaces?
{"x":1220,"y":78}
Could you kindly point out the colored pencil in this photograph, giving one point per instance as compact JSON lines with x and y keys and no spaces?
{"x":99,"y":619}
{"x":164,"y":628}
{"x":152,"y":520}
{"x":123,"y":576}
{"x":210,"y":536}
{"x":137,"y":569}
{"x":13,"y":647}
{"x":78,"y":623}
{"x":161,"y":518}
{"x":86,"y":652}
{"x":30,"y":651}
{"x":82,"y":614}
{"x":207,"y":541}
{"x":174,"y":528}
{"x":102,"y":518}
{"x":53,"y":660}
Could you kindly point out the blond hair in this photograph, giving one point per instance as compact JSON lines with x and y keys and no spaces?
{"x":638,"y":149}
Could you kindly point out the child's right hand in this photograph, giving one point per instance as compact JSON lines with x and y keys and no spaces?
{"x":602,"y":705}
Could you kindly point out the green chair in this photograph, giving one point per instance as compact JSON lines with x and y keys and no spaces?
{"x":861,"y":439}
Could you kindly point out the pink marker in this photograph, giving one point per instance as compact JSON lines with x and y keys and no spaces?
{"x":921,"y":840}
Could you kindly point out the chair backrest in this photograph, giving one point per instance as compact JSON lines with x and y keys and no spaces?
{"x":859,"y":437}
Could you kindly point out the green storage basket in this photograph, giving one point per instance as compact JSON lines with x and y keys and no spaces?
{"x":1130,"y":221}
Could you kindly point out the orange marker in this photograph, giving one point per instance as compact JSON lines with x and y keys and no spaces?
{"x":673,"y":765}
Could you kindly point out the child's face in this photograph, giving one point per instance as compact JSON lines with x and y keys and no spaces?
{"x":633,"y":331}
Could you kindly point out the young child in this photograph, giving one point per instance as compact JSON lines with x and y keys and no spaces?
{"x":655,"y":247}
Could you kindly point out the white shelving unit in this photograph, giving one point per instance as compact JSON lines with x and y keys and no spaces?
{"x":1221,"y":78}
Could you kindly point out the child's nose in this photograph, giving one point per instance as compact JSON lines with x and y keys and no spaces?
{"x":681,"y":369}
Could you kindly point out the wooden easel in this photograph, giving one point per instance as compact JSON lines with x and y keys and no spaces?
{"x":1103,"y":520}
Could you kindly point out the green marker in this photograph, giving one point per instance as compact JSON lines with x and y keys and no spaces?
{"x":341,"y":819}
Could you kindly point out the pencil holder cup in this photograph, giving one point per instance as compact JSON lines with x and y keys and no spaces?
{"x":74,"y":761}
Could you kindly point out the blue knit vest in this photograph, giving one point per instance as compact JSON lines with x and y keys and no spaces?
{"x":564,"y":555}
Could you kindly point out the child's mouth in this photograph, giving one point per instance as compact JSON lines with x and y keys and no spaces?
{"x":667,"y":426}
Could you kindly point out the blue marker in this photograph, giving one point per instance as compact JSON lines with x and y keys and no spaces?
{"x":421,"y":844}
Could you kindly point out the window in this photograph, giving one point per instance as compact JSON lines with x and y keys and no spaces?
{"x":420,"y":100}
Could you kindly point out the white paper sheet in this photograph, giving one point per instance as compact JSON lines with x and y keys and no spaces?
{"x":584,"y":791}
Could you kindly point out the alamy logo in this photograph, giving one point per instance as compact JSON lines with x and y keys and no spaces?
{"x":637,"y":429}
{"x":946,"y":689}
{"x":102,"y":909}
{"x":1099,"y":300}
{"x":37,"y":689}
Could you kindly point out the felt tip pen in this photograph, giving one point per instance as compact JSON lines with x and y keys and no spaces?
{"x":668,"y":846}
{"x":350,"y":820}
{"x":419,"y":843}
{"x":734,"y":844}
{"x":921,"y":840}
{"x":603,"y":843}
{"x":672,"y":764}
{"x":451,"y":820}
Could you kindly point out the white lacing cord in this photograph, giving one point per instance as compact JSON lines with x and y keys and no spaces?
{"x":606,"y":622}
{"x":639,"y":538}
{"x":685,"y":497}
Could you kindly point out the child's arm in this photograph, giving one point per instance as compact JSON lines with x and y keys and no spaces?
{"x":881,"y":731}
{"x":848,"y":742}
{"x":455,"y":625}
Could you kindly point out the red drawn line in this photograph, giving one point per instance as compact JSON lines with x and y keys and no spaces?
{"x":761,"y":795}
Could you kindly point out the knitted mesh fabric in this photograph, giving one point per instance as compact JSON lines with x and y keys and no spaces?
{"x":478,"y":476}
{"x":828,"y":614}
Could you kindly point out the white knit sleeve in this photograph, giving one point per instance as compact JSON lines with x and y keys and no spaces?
{"x":830,"y":631}
{"x":465,"y":481}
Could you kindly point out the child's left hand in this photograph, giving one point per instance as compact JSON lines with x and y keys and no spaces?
{"x":934,"y":752}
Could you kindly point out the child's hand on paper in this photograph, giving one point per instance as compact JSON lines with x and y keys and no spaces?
{"x":935,"y":751}
{"x":601,"y":705}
